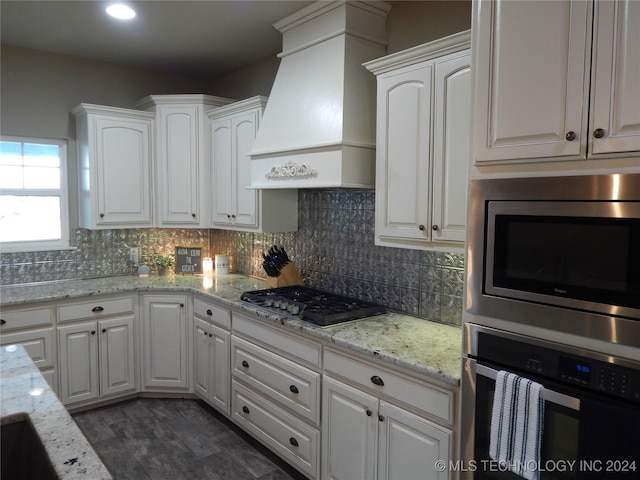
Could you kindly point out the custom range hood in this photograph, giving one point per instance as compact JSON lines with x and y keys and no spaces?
{"x":318,"y":129}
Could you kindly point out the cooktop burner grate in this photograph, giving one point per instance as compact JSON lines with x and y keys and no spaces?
{"x":315,"y":306}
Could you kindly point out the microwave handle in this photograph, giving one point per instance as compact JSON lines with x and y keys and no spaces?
{"x":548,"y":395}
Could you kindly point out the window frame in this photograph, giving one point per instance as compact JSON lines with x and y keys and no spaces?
{"x":63,"y":192}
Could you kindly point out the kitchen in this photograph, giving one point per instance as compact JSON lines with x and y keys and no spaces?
{"x":427,"y":284}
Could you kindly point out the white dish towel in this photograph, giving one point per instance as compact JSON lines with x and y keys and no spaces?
{"x":517,"y":422}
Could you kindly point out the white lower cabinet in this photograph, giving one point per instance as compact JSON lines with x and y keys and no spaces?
{"x":32,"y":327}
{"x":367,"y":437}
{"x":211,"y":350}
{"x":328,"y":413}
{"x":165,"y":342}
{"x":97,"y":359}
{"x":284,"y":433}
{"x":96,"y":346}
{"x":275,"y":390}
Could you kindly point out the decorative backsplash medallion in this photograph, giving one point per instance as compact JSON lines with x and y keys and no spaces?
{"x":333,"y":250}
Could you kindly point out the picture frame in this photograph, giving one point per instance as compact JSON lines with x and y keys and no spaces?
{"x":188,"y":260}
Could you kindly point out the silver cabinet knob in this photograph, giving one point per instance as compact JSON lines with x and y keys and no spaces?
{"x":598,"y":132}
{"x":570,"y":136}
{"x":435,"y":228}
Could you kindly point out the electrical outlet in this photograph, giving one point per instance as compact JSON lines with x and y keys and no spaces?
{"x":133,"y":255}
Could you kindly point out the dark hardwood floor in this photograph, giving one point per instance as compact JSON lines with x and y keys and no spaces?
{"x":176,"y":439}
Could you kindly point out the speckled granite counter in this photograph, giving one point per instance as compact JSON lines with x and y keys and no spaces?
{"x":423,"y":347}
{"x":26,"y":393}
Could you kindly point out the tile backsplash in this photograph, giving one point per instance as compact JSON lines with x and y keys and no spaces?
{"x":98,"y":253}
{"x":333,"y":249}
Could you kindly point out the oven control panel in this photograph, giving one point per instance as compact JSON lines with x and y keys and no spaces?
{"x":537,"y":361}
{"x":605,"y":377}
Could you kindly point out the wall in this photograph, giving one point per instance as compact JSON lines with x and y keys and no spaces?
{"x":334,"y":250}
{"x":97,"y":253}
{"x":414,"y":23}
{"x":334,"y":247}
{"x":409,"y":23}
{"x":38,"y":90}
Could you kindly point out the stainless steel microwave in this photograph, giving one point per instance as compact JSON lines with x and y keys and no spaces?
{"x":561,"y":253}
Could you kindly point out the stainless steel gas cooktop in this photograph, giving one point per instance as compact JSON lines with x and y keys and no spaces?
{"x":311,"y":305}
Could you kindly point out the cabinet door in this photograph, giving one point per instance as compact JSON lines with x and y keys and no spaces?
{"x":222,"y":137}
{"x":349,"y":432}
{"x":201,"y":359}
{"x":165,"y":346}
{"x":245,"y":128}
{"x":451,"y":147}
{"x":403,"y":193}
{"x":178,"y":165}
{"x":117,"y":355}
{"x":409,"y":445}
{"x":123,"y":154}
{"x":615,"y":86}
{"x":78,"y":353}
{"x":219,"y":359}
{"x":530,"y":63}
{"x":39,"y":344}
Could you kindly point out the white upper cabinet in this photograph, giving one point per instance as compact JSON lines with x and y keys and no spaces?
{"x":422,"y":154}
{"x":615,"y":80}
{"x":235,"y":206}
{"x":451,"y":149}
{"x":114,"y":162}
{"x":403,"y":178}
{"x":182,"y":160}
{"x":546,"y":89}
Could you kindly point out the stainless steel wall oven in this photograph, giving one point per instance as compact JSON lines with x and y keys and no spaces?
{"x":591,"y":412}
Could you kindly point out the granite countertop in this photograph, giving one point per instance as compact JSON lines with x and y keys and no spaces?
{"x":25,"y":393}
{"x":417,"y":345}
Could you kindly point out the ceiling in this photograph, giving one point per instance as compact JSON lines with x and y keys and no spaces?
{"x":199,"y":38}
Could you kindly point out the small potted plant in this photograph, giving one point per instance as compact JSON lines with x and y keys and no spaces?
{"x":162,"y":262}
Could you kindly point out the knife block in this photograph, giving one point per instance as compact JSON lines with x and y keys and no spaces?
{"x":288,"y":276}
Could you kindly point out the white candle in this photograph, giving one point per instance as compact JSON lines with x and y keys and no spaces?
{"x":207,"y":266}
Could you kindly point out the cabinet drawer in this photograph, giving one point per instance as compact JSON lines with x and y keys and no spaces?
{"x":38,"y":344}
{"x":291,"y":346}
{"x":284,"y":381}
{"x":292,"y":439}
{"x":430,"y":399}
{"x":212,"y":313}
{"x":14,"y":319}
{"x":96,"y":308}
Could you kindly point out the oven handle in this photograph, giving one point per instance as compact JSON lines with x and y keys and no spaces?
{"x":548,"y":395}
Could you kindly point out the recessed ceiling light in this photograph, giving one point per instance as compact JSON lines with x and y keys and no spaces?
{"x":121,"y":11}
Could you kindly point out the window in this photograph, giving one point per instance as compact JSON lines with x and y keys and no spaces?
{"x":33,"y":194}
